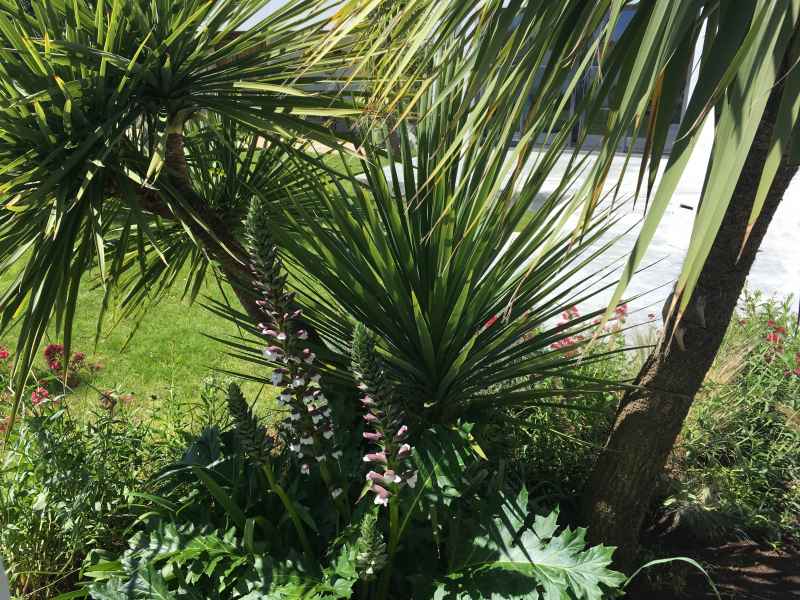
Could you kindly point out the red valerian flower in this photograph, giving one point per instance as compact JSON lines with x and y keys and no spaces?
{"x":39,"y":395}
{"x":53,"y":351}
{"x":773,"y":337}
{"x":570,"y":313}
{"x":4,"y":353}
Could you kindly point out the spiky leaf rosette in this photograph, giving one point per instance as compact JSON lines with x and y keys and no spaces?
{"x":253,"y":437}
{"x":371,"y":555}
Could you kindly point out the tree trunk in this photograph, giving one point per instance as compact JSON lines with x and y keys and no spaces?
{"x":619,"y":493}
{"x":212,"y":233}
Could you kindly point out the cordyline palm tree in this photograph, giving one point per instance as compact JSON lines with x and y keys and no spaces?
{"x":748,"y":76}
{"x":97,"y":99}
{"x":130,"y":133}
{"x":431,"y":248}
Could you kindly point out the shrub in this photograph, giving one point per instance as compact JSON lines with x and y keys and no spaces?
{"x":64,"y":489}
{"x":552,"y":448}
{"x":736,"y":468}
{"x":324,"y":505}
{"x":243,"y":521}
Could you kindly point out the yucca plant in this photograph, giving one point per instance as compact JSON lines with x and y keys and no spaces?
{"x":447,"y":250}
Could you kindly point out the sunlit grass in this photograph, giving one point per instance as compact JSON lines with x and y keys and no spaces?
{"x":160,"y":358}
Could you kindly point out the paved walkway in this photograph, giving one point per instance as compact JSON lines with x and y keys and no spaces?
{"x":776,"y":271}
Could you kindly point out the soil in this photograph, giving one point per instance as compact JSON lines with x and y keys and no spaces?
{"x":740,"y":570}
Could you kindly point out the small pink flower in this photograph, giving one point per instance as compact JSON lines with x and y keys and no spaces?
{"x":39,"y":395}
{"x":773,"y":337}
{"x":381,"y":494}
{"x":570,"y":313}
{"x":372,"y":436}
{"x":375,"y":457}
{"x":4,"y":353}
{"x":404,"y":451}
{"x":273,"y":353}
{"x":370,"y":418}
{"x":277,"y":376}
{"x":387,"y":477}
{"x":401,"y":433}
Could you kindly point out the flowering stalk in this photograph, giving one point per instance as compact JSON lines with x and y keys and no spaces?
{"x":309,"y":427}
{"x":385,"y":430}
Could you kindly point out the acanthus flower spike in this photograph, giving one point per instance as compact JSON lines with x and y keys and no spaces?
{"x":383,"y":419}
{"x":308,"y":424}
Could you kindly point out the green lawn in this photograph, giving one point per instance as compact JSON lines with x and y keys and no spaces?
{"x":166,"y":359}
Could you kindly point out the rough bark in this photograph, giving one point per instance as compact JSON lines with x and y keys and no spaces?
{"x":619,"y":493}
{"x":213,"y":235}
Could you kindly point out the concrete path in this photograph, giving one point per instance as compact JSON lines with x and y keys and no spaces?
{"x":776,"y":271}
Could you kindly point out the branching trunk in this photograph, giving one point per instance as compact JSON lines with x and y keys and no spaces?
{"x":210,"y":230}
{"x":620,"y":489}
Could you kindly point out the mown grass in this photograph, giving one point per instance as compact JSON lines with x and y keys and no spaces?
{"x":161,"y":357}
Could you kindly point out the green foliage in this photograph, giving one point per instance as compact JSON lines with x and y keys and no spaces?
{"x":222,"y":531}
{"x":173,"y":563}
{"x":64,"y":489}
{"x":736,"y":467}
{"x":252,"y":436}
{"x":513,"y":558}
{"x":423,"y":246}
{"x":93,"y":164}
{"x":552,"y":449}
